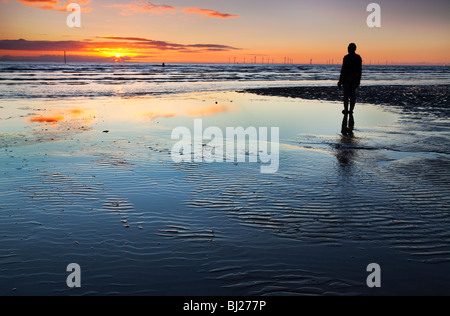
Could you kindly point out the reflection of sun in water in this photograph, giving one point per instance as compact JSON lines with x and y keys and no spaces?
{"x":65,"y":117}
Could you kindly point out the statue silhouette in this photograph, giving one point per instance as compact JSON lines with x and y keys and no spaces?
{"x":350,"y":77}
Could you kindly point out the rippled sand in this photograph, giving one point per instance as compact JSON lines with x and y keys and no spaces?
{"x":93,"y":182}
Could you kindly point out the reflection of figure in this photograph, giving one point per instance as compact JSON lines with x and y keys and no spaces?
{"x":346,"y":153}
{"x":348,"y":124}
{"x":346,"y":148}
{"x":350,"y":77}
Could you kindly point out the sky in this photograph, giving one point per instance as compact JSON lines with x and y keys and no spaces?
{"x":411,"y":32}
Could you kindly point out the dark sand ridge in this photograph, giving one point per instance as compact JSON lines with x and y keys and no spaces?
{"x":412,"y":98}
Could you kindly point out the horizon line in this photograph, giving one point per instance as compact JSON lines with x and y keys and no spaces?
{"x":217,"y":62}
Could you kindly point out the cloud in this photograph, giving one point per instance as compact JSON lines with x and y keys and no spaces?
{"x":58,"y":58}
{"x":107,"y":46}
{"x":146,"y":6}
{"x":58,"y":5}
{"x":143,"y":6}
{"x":209,"y":13}
{"x":162,"y":45}
{"x":141,"y":43}
{"x":24,"y":45}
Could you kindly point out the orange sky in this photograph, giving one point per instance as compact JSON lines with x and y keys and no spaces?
{"x":219,"y":31}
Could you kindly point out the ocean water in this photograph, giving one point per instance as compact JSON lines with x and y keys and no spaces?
{"x":52,"y":80}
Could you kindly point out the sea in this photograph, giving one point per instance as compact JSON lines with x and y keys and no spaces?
{"x":53,"y":80}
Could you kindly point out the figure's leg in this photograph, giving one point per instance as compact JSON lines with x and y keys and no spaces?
{"x":346,"y":97}
{"x":352,"y":99}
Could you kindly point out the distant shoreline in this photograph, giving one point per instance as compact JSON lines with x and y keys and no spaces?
{"x":432,"y":99}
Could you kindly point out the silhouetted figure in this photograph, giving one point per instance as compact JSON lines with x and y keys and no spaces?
{"x":350,"y":77}
{"x":163,"y":65}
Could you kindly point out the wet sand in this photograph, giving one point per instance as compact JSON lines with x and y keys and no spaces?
{"x":92,"y":181}
{"x":420,"y":98}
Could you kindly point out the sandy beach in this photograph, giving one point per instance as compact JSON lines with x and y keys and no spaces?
{"x":91,"y":181}
{"x":423,"y":99}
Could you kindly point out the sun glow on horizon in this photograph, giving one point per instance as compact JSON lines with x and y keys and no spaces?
{"x":114,"y":52}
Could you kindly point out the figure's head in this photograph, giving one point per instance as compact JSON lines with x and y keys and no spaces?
{"x":352,"y":48}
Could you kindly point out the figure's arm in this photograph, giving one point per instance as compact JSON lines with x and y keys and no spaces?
{"x":359,"y":72}
{"x":341,"y":78}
